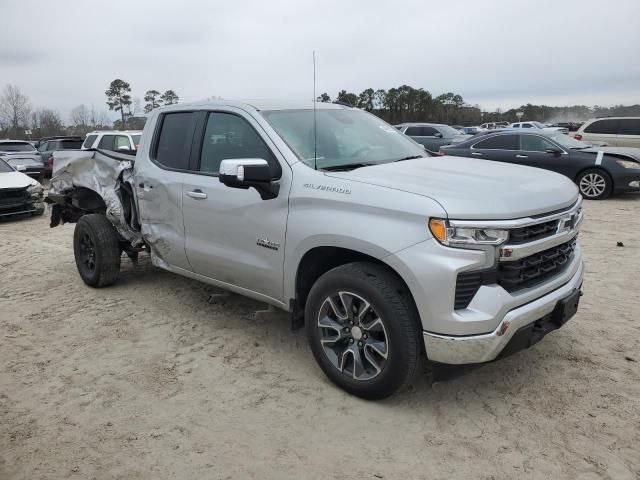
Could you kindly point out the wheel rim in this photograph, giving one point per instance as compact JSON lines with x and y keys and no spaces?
{"x":353,"y":336}
{"x":87,"y":252}
{"x":593,"y":185}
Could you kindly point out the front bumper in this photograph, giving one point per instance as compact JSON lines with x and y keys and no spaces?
{"x":460,"y":350}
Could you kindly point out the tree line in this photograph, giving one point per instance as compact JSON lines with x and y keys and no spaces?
{"x":408,"y":104}
{"x":395,"y":105}
{"x":20,"y":120}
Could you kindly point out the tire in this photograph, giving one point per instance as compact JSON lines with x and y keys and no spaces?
{"x":359,"y":284}
{"x":595,"y":184}
{"x":97,"y":250}
{"x":38,"y":212}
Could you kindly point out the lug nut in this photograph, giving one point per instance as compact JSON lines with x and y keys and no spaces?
{"x":365,"y":336}
{"x":351,"y":340}
{"x":359,"y":344}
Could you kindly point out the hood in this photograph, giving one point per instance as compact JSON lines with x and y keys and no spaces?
{"x":630,"y":152}
{"x":15,"y":180}
{"x":471,"y":189}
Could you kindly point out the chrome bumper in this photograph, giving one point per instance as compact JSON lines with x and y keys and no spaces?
{"x":459,"y":350}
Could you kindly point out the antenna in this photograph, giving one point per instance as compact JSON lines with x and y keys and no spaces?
{"x":315,"y":129}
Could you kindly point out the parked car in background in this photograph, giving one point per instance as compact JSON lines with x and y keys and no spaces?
{"x":598,"y":172}
{"x":616,"y":131}
{"x":473,"y":130}
{"x":23,"y":157}
{"x":48,"y":145}
{"x":538,"y":126}
{"x":571,"y":126}
{"x":432,"y":135}
{"x":19,"y":194}
{"x":113,"y":140}
{"x":331,"y":214}
{"x":494,"y":125}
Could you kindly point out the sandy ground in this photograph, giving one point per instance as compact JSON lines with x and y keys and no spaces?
{"x":146,"y":379}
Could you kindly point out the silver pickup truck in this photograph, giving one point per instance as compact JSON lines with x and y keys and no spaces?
{"x":385,"y":254}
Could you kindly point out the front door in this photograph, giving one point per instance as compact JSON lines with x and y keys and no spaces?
{"x":231,"y":234}
{"x":534,"y":153}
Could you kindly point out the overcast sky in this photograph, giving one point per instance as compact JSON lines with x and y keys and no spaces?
{"x":495,"y":53}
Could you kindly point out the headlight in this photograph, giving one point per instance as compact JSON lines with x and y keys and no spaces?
{"x":35,"y":189}
{"x":628,"y":164}
{"x":465,"y":236}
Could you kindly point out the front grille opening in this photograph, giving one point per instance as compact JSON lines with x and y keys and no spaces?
{"x":532,"y":232}
{"x":536,"y":268}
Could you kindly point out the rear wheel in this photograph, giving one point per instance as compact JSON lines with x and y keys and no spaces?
{"x":362,"y":329}
{"x":595,"y":184}
{"x":97,"y":250}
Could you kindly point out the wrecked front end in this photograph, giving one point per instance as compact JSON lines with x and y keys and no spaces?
{"x":95,"y":181}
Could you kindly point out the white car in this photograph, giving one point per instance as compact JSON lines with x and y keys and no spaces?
{"x":114,"y":140}
{"x":615,"y":131}
{"x":19,"y":193}
{"x":538,"y":126}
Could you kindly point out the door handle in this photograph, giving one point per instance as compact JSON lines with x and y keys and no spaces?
{"x":197,"y":194}
{"x":477,"y":154}
{"x":522,"y":156}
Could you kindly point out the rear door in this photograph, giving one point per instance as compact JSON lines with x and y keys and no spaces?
{"x":226,"y":228}
{"x":628,"y":132}
{"x":158,"y":183}
{"x":604,"y":130}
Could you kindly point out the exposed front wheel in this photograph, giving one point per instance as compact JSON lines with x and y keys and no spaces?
{"x":97,"y":250}
{"x":362,"y":329}
{"x":595,"y":184}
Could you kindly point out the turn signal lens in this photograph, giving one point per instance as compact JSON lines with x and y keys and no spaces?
{"x":438,"y":229}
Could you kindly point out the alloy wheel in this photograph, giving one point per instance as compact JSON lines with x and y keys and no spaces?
{"x":593,"y":185}
{"x":353,"y":336}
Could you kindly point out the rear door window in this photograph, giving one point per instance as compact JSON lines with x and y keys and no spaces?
{"x":629,"y":126}
{"x":498,"y":142}
{"x":608,"y":127}
{"x":88,"y":143}
{"x":106,"y":142}
{"x":122,"y":142}
{"x":174,"y":139}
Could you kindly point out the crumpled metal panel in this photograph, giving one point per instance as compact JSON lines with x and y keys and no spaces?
{"x":98,"y":172}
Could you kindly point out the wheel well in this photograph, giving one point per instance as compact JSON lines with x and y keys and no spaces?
{"x":320,"y":260}
{"x":88,"y":200}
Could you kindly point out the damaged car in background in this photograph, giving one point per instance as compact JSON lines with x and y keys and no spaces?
{"x":19,"y":194}
{"x":24,"y":157}
{"x":383,"y":253}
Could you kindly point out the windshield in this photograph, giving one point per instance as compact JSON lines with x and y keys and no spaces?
{"x":343,"y":137}
{"x":4,"y":167}
{"x":136,"y":140}
{"x":16,"y":147}
{"x":568,"y":142}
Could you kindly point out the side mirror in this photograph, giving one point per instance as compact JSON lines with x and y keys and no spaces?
{"x":555,"y":151}
{"x":249,"y":172}
{"x":437,"y":135}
